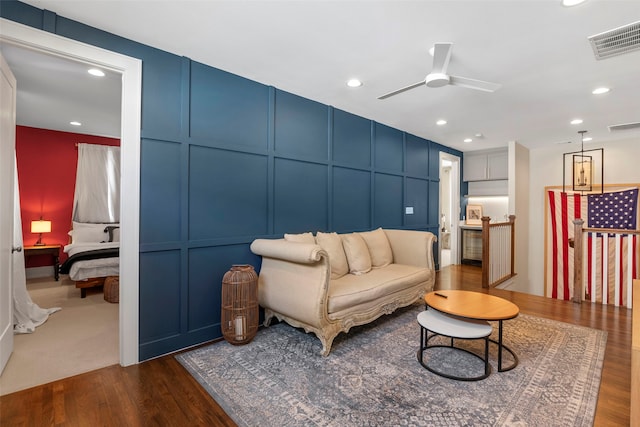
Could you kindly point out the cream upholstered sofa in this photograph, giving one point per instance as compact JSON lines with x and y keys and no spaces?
{"x":331,"y":282}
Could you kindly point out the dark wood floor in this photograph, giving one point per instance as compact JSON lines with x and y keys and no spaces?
{"x":161,"y":393}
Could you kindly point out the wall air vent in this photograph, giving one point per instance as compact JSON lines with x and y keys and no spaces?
{"x":617,"y":41}
{"x":625,"y":126}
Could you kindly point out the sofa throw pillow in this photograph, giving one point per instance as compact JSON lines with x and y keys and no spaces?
{"x":332,"y":244}
{"x":379,"y":247}
{"x":300,"y":238}
{"x":357,"y":253}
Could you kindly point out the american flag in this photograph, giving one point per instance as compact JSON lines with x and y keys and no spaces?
{"x":610,"y":260}
{"x":613,"y":210}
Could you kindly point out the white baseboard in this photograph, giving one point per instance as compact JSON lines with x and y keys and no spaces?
{"x":38,"y":272}
{"x":506,"y":284}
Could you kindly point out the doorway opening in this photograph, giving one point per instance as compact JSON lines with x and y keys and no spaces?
{"x":131,"y":71}
{"x":448,"y":252}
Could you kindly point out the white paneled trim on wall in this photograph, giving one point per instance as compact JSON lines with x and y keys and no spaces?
{"x":620,"y":166}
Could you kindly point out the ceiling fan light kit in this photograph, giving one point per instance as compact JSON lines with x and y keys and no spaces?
{"x":571,"y":3}
{"x":437,"y":80}
{"x":438,"y":76}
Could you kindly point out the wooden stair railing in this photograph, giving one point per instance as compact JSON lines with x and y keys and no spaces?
{"x":577,"y":244}
{"x":498,"y":246}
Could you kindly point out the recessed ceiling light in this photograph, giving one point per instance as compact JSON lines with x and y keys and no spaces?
{"x":96,"y":72}
{"x":74,"y":123}
{"x":587,"y":139}
{"x":468,"y":140}
{"x":576,"y":121}
{"x":569,"y":3}
{"x":441,"y":122}
{"x":600,"y":90}
{"x":354,"y":83}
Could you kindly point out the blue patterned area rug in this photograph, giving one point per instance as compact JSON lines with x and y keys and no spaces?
{"x":372,"y":377}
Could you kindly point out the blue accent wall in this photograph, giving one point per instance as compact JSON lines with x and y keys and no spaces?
{"x":225,"y":160}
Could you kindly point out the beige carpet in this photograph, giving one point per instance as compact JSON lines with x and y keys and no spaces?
{"x":81,"y":337}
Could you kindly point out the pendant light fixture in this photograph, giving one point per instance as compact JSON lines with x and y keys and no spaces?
{"x":582,"y":179}
{"x":579,"y":167}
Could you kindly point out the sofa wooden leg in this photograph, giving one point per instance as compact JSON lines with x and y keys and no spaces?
{"x":327,"y":342}
{"x":268,"y":315}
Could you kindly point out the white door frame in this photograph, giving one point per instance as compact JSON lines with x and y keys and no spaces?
{"x":131,"y":70}
{"x":455,"y":204}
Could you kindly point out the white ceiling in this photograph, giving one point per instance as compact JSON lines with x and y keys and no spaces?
{"x":54,"y":91}
{"x":537,"y":50}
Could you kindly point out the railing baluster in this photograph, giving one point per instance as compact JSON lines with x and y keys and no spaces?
{"x":577,"y":261}
{"x":621,"y":267}
{"x":498,"y":243}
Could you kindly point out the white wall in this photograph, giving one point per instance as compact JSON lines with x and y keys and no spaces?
{"x":621,"y":166}
{"x":519,"y":184}
{"x":496,"y":207}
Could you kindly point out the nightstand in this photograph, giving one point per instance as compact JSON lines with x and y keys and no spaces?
{"x":53,"y":250}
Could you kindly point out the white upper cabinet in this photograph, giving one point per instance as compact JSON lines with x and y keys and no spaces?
{"x":486,"y":165}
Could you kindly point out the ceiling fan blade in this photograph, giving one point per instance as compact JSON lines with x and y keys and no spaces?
{"x":441,"y":57}
{"x":404,"y":89}
{"x":474,"y":84}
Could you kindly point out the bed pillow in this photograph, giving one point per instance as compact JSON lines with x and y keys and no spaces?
{"x":357,"y":253}
{"x":88,"y":233}
{"x":300,"y":238}
{"x":84,"y":232}
{"x":332,"y":244}
{"x":379,"y":247}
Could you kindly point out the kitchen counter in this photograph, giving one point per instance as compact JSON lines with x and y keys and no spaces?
{"x":470,"y":227}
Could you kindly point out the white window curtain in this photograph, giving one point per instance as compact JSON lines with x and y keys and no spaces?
{"x":27,"y":315}
{"x":97,"y":194}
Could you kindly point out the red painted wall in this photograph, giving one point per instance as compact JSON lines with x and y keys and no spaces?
{"x":47,"y":162}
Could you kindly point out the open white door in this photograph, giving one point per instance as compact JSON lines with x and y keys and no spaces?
{"x":7,"y":165}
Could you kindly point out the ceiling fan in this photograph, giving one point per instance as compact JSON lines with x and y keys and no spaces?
{"x":438,"y":76}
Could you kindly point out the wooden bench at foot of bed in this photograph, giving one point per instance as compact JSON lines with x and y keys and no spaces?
{"x":89,"y":283}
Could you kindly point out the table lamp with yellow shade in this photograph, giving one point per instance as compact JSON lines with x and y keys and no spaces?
{"x":40,"y":226}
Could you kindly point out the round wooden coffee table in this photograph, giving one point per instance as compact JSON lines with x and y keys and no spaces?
{"x":477,"y":306}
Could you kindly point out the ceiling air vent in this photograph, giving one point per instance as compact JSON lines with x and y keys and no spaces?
{"x":617,"y":41}
{"x":625,"y":126}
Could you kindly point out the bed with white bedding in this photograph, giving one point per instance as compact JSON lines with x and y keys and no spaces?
{"x":93,"y":254}
{"x":97,"y":266}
